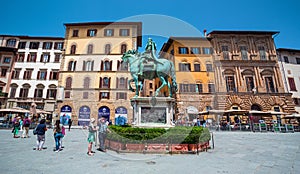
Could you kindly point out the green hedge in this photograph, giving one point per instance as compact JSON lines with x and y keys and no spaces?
{"x":175,"y":135}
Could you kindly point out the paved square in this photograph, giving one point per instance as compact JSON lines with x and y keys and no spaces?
{"x":235,"y":152}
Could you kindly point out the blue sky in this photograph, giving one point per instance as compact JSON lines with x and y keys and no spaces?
{"x":171,"y":17}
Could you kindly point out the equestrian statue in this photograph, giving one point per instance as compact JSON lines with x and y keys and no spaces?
{"x":147,"y":66}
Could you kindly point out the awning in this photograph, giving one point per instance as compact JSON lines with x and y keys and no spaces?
{"x":292,"y":116}
{"x":258,"y":112}
{"x":40,"y":111}
{"x":235,"y":112}
{"x":277,"y":113}
{"x":16,"y":109}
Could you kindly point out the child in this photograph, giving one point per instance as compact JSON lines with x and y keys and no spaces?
{"x":91,"y":137}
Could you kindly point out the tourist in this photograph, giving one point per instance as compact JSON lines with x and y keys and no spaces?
{"x":16,"y":127}
{"x":41,"y":130}
{"x":26,"y":124}
{"x":103,"y":129}
{"x":91,"y":136}
{"x":70,"y":123}
{"x":57,"y":130}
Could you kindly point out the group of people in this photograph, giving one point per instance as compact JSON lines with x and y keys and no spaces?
{"x":102,"y":131}
{"x":59,"y":132}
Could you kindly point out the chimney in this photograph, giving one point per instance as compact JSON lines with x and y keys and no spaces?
{"x":204,"y":31}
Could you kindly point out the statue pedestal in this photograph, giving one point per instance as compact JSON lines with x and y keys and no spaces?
{"x":153,"y":111}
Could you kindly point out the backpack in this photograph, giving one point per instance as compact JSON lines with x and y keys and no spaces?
{"x":26,"y":123}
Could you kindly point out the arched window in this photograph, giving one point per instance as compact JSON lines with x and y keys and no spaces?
{"x":69,"y":83}
{"x":72,"y":66}
{"x":38,"y":92}
{"x":73,"y":49}
{"x":90,"y":49}
{"x":88,"y":65}
{"x":107,"y":49}
{"x":107,"y":65}
{"x":123,"y":48}
{"x":86,"y":82}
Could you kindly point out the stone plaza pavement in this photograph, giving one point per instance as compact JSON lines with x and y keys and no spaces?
{"x":234,"y":153}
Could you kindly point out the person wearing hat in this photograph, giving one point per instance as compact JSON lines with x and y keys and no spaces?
{"x":91,"y":136}
{"x":103,"y":129}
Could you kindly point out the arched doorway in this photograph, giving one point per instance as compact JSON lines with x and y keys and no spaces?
{"x":84,"y":116}
{"x":256,"y":107}
{"x":104,"y":111}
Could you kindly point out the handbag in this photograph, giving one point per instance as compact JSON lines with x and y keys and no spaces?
{"x":34,"y":131}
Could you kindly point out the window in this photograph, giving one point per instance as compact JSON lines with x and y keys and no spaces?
{"x":57,"y":58}
{"x":13,"y":90}
{"x":296,"y":101}
{"x":72,"y":66}
{"x":107,"y":49}
{"x":108,"y":32}
{"x":16,"y":74}
{"x":225,"y":51}
{"x":269,"y":84}
{"x":88,"y":66}
{"x":90,"y":49}
{"x":45,"y":58}
{"x":297,"y":60}
{"x":3,"y":72}
{"x":199,"y":88}
{"x":106,"y":65}
{"x":91,"y":32}
{"x":244,"y":52}
{"x":69,"y":83}
{"x":121,"y":83}
{"x":292,"y":84}
{"x":184,"y":88}
{"x":24,"y":92}
{"x":286,"y":59}
{"x":85,"y":95}
{"x":47,"y":45}
{"x":54,"y":75}
{"x":86,"y":82}
{"x":42,"y":75}
{"x":11,"y":42}
{"x":195,"y":50}
{"x":27,"y":74}
{"x":6,"y":60}
{"x":104,"y":95}
{"x":209,"y":67}
{"x":34,"y":45}
{"x":21,"y":57}
{"x":73,"y":49}
{"x":123,"y":48}
{"x":104,"y":82}
{"x":262,"y":53}
{"x":184,"y":67}
{"x":22,"y":45}
{"x":75,"y":33}
{"x":249,"y":84}
{"x":124,"y":32}
{"x":121,"y":95}
{"x":31,"y":57}
{"x":197,"y":67}
{"x":230,"y":84}
{"x":67,"y":94}
{"x":183,"y":50}
{"x":38,"y":93}
{"x":122,"y":66}
{"x":276,"y":109}
{"x":51,"y":93}
{"x":211,"y":88}
{"x":206,"y":50}
{"x":58,"y":45}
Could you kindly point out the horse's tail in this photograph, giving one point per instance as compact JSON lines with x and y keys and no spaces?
{"x":173,"y":77}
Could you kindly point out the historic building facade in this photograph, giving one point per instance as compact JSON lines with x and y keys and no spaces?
{"x":93,"y":78}
{"x":8,"y":52}
{"x":289,"y":64}
{"x":34,"y":77}
{"x":247,"y":72}
{"x":192,"y":57}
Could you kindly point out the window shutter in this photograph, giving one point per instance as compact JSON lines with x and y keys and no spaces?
{"x":13,"y":75}
{"x":54,"y":94}
{"x":108,"y":95}
{"x":110,"y":65}
{"x":74,"y":68}
{"x":38,"y":75}
{"x":126,"y":83}
{"x":48,"y":58}
{"x":50,"y":77}
{"x":45,"y":76}
{"x":83,"y":67}
{"x":117,"y":82}
{"x":100,"y":83}
{"x":24,"y":75}
{"x":92,"y":68}
{"x":28,"y":57}
{"x":41,"y":59}
{"x":118,"y":66}
{"x":101,"y":65}
{"x":48,"y":90}
{"x":35,"y":93}
{"x":108,"y":82}
{"x":21,"y":92}
{"x":57,"y":76}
